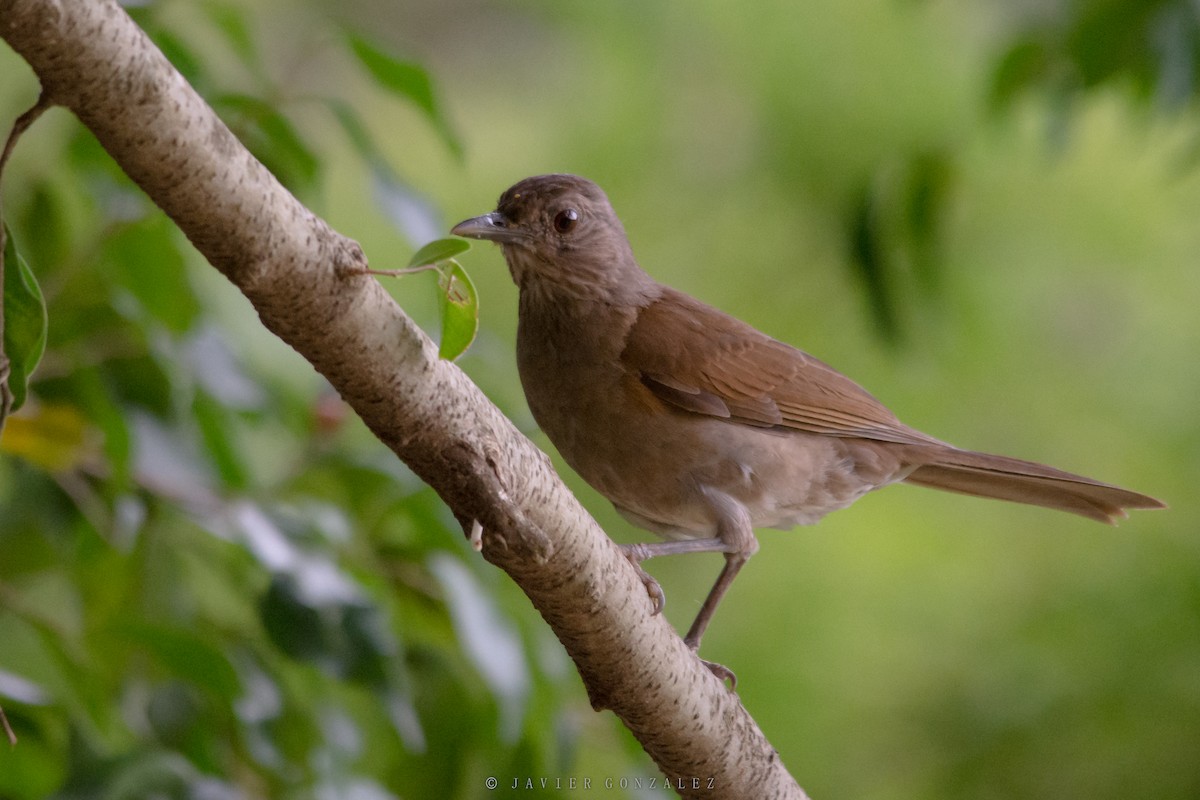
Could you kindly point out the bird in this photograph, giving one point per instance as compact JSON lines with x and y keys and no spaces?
{"x":694,"y":424}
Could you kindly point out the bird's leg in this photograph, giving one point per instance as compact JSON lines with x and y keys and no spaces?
{"x":737,"y":537}
{"x":733,"y":563}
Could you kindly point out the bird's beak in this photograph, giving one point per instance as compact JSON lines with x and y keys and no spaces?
{"x":493,"y":227}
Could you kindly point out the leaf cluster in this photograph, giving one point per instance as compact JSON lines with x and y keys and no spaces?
{"x":213,"y":581}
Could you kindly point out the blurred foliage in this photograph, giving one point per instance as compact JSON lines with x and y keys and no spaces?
{"x":1060,"y":50}
{"x":214,"y":583}
{"x":1070,"y":46}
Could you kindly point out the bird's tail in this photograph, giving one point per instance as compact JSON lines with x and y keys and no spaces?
{"x":1003,"y":478}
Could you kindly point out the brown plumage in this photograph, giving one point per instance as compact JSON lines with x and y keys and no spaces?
{"x":727,"y":369}
{"x":694,"y":424}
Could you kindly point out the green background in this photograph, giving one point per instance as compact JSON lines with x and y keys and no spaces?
{"x":213,"y":580}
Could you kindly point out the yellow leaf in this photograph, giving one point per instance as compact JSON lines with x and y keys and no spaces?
{"x":54,"y":437}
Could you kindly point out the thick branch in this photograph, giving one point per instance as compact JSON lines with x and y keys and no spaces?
{"x":92,"y":59}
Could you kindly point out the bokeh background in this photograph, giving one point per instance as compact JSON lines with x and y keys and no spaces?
{"x":215,"y":584}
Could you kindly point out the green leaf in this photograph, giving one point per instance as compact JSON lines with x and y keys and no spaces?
{"x":438,"y":250}
{"x":159,"y":773}
{"x":459,"y":306}
{"x":1025,"y":64}
{"x":930,"y":183}
{"x":99,"y":404}
{"x":24,"y":320}
{"x":272,"y":138}
{"x":36,"y":767}
{"x":870,"y":257}
{"x":351,"y":122}
{"x":48,"y":233}
{"x":292,"y":624}
{"x":230,"y":19}
{"x":402,"y":77}
{"x":488,"y":639}
{"x":369,"y":646}
{"x":408,"y":80}
{"x":219,"y":431}
{"x":185,"y":654}
{"x":146,"y":259}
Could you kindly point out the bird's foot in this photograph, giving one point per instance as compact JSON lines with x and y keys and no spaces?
{"x":657,"y":598}
{"x":724,"y":674}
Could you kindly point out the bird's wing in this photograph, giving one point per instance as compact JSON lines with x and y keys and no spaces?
{"x":696,"y":358}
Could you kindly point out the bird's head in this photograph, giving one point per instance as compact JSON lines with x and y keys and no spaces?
{"x":559,"y":231}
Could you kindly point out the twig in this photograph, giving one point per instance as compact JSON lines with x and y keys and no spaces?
{"x":393,"y":273}
{"x":21,"y":124}
{"x":8,"y":731}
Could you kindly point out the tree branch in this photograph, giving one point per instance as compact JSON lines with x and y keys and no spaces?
{"x":299,"y":275}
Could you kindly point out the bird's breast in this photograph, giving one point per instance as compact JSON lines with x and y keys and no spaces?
{"x":652,"y":460}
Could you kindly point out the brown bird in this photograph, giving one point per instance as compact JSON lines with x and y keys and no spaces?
{"x":694,"y":424}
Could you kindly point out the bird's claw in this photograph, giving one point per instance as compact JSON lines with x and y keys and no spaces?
{"x":657,"y":598}
{"x":724,"y":674}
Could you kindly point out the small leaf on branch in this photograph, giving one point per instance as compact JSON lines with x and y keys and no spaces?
{"x":459,"y":305}
{"x":458,"y":302}
{"x":438,"y":250}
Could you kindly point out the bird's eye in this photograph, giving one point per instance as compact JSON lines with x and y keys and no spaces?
{"x":565,"y":220}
